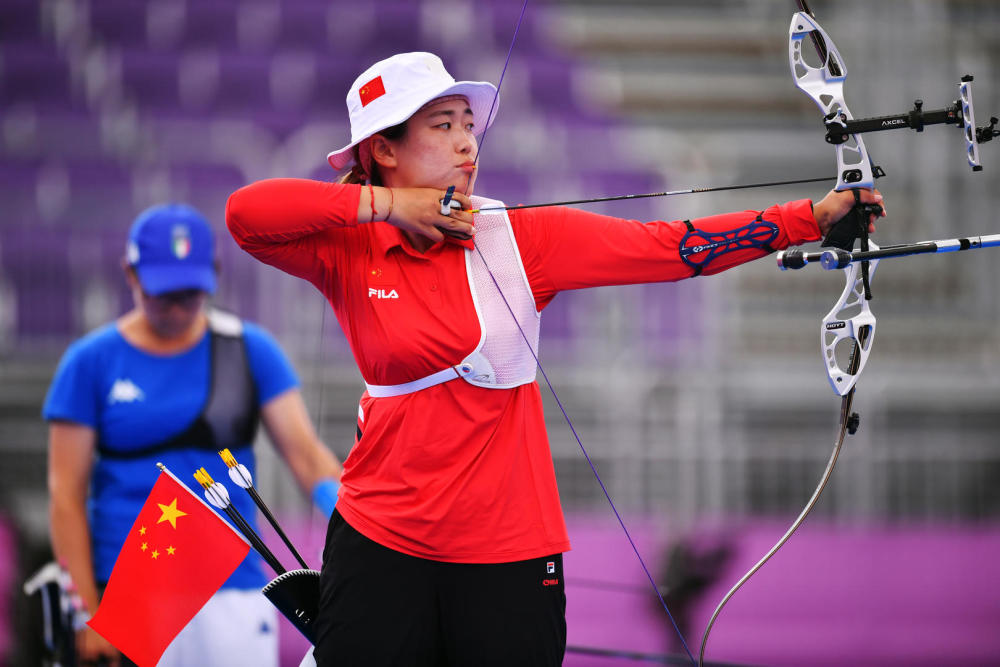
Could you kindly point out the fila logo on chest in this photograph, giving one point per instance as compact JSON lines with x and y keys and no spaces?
{"x":374,"y":293}
{"x":382,"y":280}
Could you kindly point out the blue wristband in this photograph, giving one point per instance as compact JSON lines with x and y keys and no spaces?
{"x":325,"y":495}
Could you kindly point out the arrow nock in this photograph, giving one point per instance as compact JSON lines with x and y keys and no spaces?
{"x":228,"y":458}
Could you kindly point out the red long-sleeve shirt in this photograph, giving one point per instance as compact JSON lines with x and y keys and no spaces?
{"x":456,"y":472}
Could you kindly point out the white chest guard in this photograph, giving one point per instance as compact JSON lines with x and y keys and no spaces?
{"x":502,"y":359}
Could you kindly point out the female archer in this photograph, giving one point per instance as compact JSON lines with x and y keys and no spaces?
{"x":446,"y":543}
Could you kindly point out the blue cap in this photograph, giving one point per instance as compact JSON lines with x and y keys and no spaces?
{"x":171,"y":248}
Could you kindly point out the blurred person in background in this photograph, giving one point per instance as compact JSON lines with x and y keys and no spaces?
{"x":446,"y":543}
{"x":174,"y":381}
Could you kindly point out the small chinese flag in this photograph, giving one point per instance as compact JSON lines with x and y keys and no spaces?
{"x":371,"y":91}
{"x":177,"y":555}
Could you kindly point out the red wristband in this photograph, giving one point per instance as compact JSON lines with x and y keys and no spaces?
{"x":371,"y":191}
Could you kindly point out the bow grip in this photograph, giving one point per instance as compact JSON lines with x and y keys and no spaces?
{"x":852,"y":226}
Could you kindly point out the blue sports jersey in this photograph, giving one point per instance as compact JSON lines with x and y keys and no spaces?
{"x":134,"y":399}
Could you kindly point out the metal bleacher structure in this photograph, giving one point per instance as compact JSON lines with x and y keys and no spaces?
{"x":703,"y":397}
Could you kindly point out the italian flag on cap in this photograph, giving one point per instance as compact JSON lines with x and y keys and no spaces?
{"x":180,"y":241}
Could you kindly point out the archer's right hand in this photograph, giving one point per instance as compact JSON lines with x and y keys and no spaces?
{"x":418,"y":210}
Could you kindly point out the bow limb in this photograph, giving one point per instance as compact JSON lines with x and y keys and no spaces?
{"x":844,"y":430}
{"x":860,"y":329}
{"x":825,"y":85}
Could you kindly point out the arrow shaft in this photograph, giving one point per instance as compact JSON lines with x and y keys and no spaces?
{"x":647,"y":195}
{"x":274,"y":524}
{"x":254,"y":539}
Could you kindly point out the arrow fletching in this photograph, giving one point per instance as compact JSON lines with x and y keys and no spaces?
{"x":237,"y":471}
{"x":215,"y":493}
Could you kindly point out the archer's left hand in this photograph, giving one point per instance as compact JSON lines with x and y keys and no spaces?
{"x":835,"y":205}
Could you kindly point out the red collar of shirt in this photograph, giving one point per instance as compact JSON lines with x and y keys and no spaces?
{"x":388,"y":237}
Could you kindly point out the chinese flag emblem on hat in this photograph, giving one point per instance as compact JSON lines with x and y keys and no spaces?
{"x":177,"y":555}
{"x":371,"y":91}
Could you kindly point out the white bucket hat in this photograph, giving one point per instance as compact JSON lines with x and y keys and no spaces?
{"x":392,"y":90}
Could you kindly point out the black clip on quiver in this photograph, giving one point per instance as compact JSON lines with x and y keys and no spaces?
{"x":852,"y":227}
{"x":296,"y":595}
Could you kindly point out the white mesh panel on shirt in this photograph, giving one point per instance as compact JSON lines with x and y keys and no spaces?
{"x":505,"y":347}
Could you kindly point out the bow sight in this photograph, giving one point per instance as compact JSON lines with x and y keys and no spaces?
{"x":961,"y":113}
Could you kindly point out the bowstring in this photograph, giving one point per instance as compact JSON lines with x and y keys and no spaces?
{"x":555,"y":395}
{"x":496,"y":96}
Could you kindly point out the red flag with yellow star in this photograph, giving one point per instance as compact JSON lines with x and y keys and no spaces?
{"x":371,"y":91}
{"x":177,"y":555}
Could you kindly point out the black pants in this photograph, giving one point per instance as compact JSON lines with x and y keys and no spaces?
{"x":381,"y":607}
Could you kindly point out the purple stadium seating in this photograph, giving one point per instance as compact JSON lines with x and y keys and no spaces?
{"x":151,"y":78}
{"x":35,"y":260}
{"x":100,"y":195}
{"x":607,"y":183}
{"x":36,"y":76}
{"x":108,"y":268}
{"x":17,"y":192}
{"x":118,"y":22}
{"x":206,"y":187}
{"x":20,"y":21}
{"x":210,"y":25}
{"x":510,"y":186}
{"x":55,"y":132}
{"x":550,"y":82}
{"x":306,"y":26}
